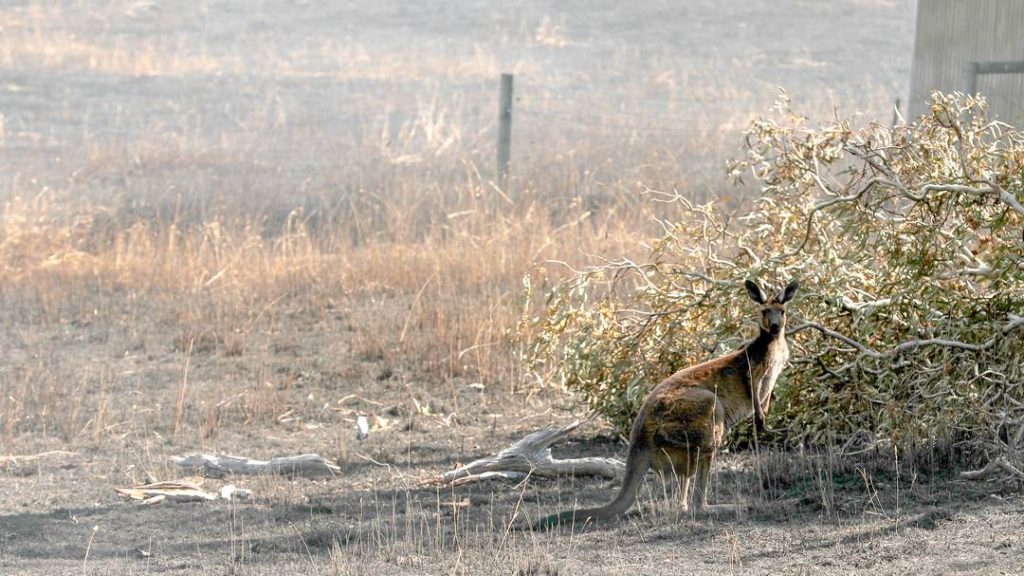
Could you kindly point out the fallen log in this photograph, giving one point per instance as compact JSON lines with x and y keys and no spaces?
{"x":217,"y":465}
{"x":532,"y":456}
{"x":999,"y":464}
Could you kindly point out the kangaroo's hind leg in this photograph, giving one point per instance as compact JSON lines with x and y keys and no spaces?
{"x":676,"y":469}
{"x":683,"y":495}
{"x":704,"y":463}
{"x":703,"y":482}
{"x":706,"y":459}
{"x":689,"y":428}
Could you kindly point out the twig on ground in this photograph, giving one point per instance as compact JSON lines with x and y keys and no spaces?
{"x":25,"y":459}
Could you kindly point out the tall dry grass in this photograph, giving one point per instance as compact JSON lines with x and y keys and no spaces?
{"x":449,"y":296}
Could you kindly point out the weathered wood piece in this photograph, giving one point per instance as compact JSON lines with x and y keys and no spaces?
{"x":997,"y":465}
{"x":170,"y":491}
{"x":532,"y":456}
{"x":510,"y":477}
{"x":181,"y":491}
{"x":218,"y":465}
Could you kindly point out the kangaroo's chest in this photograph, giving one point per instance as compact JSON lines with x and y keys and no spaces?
{"x":768,"y":372}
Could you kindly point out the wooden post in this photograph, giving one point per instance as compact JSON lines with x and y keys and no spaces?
{"x":971,"y":78}
{"x":504,"y":129}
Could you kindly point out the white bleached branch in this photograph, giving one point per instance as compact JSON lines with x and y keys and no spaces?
{"x":216,"y":465}
{"x":532,"y":455}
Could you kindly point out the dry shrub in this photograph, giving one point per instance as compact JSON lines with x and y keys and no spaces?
{"x":908,"y":244}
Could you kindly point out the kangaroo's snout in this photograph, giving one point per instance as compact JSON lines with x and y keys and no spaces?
{"x":773,"y":319}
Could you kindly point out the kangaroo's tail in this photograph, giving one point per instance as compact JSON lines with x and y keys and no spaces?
{"x":637,"y":463}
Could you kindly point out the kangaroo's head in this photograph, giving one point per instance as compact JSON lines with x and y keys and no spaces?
{"x":773,"y":311}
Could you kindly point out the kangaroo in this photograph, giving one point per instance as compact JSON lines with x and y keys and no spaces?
{"x":683,"y":420}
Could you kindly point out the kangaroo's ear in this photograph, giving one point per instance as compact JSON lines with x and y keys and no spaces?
{"x":787,"y":294}
{"x":755,"y":292}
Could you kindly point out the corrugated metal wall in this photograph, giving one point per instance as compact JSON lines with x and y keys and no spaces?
{"x":951,"y":33}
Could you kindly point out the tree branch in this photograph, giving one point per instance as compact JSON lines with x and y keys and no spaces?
{"x":998,"y":192}
{"x":1014,"y":323}
{"x":216,"y":465}
{"x":992,"y":467}
{"x":532,"y":455}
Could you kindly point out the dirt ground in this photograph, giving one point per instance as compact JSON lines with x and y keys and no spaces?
{"x":802,"y":515}
{"x":141,"y":107}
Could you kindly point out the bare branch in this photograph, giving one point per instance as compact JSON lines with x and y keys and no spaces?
{"x":903,"y":347}
{"x":833,"y":334}
{"x":991,"y":468}
{"x":307,"y":465}
{"x":532,"y":455}
{"x":1000,"y":194}
{"x":1015,"y":322}
{"x":865,"y":307}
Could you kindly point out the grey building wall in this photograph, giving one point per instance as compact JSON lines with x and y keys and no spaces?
{"x":951,"y":33}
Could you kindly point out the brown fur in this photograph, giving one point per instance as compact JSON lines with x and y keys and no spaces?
{"x":683,"y":420}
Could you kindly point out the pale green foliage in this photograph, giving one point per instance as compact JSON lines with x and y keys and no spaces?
{"x":908,"y":245}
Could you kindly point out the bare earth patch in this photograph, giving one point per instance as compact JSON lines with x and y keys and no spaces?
{"x":61,"y":514}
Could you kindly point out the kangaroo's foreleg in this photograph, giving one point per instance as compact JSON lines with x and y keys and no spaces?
{"x":760,"y":409}
{"x":677,"y":471}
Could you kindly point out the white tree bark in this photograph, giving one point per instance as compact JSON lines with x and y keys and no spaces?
{"x":532,"y":456}
{"x":997,"y":465}
{"x":216,"y":465}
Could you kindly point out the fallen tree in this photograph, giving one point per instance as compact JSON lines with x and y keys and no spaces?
{"x":908,"y":244}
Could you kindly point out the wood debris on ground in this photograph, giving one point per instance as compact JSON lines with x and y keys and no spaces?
{"x":186,"y":490}
{"x":219,"y":465}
